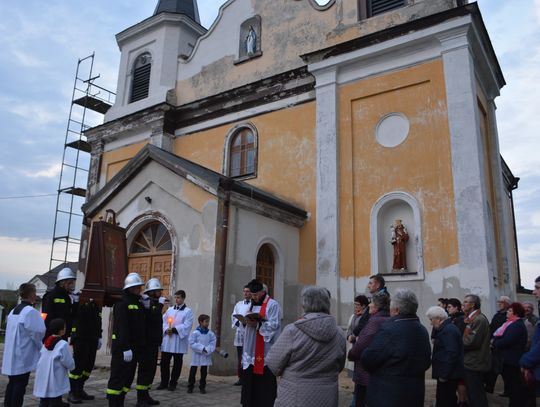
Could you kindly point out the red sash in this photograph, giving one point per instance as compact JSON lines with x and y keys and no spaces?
{"x":258,"y":367}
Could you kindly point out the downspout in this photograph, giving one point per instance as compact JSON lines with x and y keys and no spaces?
{"x":223,"y":237}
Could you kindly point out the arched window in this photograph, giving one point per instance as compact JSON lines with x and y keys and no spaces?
{"x":141,"y":77}
{"x":150,"y":253}
{"x":242,"y":153}
{"x":265,"y":267}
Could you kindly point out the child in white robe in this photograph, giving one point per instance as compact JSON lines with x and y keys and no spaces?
{"x":203,"y":343}
{"x":55,"y":362}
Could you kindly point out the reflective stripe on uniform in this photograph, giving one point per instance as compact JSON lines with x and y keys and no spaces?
{"x":114,"y":392}
{"x":74,"y":376}
{"x":133,"y":306}
{"x":125,"y":389}
{"x":113,"y":336}
{"x":85,"y":373}
{"x":59,"y":301}
{"x":74,"y":329}
{"x":142,"y":387}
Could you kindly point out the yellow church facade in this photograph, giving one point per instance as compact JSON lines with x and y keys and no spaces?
{"x":288,"y":140}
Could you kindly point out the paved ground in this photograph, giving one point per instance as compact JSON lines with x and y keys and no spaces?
{"x":220,"y":391}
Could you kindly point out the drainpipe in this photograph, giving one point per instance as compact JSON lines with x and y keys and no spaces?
{"x":222,"y":242}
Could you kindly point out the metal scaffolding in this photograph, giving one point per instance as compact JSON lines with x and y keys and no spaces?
{"x":88,"y":103}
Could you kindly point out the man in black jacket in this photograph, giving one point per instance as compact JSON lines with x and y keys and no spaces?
{"x":153,"y":304}
{"x":60,"y":302}
{"x":128,"y":339}
{"x":86,"y":340}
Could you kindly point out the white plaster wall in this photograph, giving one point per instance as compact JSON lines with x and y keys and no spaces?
{"x":220,"y":40}
{"x":194,"y":246}
{"x":249,"y":232}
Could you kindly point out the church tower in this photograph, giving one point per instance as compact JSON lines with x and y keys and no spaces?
{"x":149,"y":54}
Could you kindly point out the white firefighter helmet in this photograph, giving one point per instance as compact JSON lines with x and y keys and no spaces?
{"x":133,"y":280}
{"x":65,"y":274}
{"x":152,"y":284}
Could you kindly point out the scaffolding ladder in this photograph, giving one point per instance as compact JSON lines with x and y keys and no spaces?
{"x":89,"y":102}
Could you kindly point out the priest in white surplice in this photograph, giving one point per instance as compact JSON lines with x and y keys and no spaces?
{"x":241,"y":308}
{"x":258,"y":383}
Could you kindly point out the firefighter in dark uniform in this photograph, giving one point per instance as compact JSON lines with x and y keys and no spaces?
{"x":128,"y":339}
{"x":86,"y":340}
{"x":153,"y":304}
{"x":60,"y":302}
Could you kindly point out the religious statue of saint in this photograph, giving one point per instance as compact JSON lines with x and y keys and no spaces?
{"x":399,"y":240}
{"x":251,"y":41}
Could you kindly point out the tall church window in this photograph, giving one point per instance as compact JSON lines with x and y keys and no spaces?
{"x":243,"y":153}
{"x":370,"y":8}
{"x":265,"y":267}
{"x":141,"y":77}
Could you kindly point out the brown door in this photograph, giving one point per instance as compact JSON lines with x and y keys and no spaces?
{"x":151,"y":253}
{"x":265,"y":267}
{"x":161,"y":269}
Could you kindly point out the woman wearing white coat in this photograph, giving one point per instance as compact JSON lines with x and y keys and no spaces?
{"x":177,"y":324}
{"x":24,"y":333}
{"x":55,"y":362}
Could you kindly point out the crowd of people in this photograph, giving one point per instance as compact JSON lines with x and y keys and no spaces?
{"x":388,"y":348}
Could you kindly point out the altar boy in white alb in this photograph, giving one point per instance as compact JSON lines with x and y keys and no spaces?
{"x":24,"y":333}
{"x":55,"y":362}
{"x":203,"y":343}
{"x":177,"y":324}
{"x":259,"y":386}
{"x":241,"y":308}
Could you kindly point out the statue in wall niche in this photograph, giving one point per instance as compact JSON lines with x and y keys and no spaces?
{"x":251,"y":41}
{"x":399,"y":240}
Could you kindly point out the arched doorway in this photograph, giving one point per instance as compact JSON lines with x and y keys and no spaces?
{"x":265,"y":267}
{"x":151,"y":252}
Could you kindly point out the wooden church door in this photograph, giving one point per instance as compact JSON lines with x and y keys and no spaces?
{"x":150,"y":254}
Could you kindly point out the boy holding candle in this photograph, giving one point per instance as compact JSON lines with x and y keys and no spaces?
{"x":177,"y":324}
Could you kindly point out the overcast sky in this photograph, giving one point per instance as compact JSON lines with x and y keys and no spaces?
{"x":42,"y":41}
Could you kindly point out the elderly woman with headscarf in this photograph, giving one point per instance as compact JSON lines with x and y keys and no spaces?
{"x":398,"y":356}
{"x":378,"y":313}
{"x":309,"y":354}
{"x":447,"y":361}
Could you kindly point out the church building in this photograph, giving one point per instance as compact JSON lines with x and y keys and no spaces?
{"x":308,"y":142}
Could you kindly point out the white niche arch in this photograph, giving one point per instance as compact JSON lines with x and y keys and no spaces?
{"x":392,"y":206}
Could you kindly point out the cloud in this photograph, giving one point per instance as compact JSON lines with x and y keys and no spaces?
{"x":27,"y":60}
{"x":34,"y":113}
{"x":22,"y":258}
{"x":52,"y":171}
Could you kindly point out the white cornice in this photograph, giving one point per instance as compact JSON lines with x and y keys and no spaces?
{"x":156,"y":22}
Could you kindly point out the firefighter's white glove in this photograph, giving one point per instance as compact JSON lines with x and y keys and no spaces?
{"x":99,"y":343}
{"x":162,"y":300}
{"x":75,"y":297}
{"x":146,"y":301}
{"x":128,"y":356}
